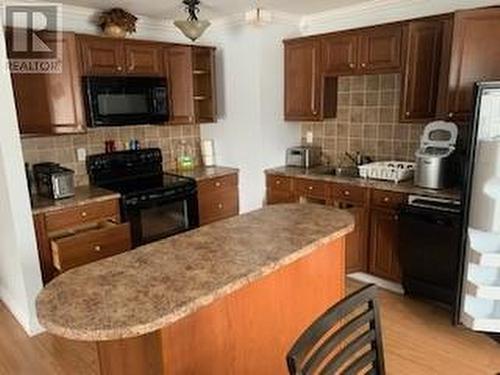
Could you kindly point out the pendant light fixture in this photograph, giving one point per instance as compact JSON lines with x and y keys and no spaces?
{"x":258,"y":16}
{"x":192,"y":28}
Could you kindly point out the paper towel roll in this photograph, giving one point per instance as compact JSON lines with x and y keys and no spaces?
{"x":208,"y":152}
{"x":207,"y":147}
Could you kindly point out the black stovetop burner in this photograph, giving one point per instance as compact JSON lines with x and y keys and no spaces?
{"x":135,"y":173}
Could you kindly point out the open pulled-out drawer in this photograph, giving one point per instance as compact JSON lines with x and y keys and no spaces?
{"x":77,"y":247}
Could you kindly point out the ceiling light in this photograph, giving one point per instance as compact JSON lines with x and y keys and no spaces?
{"x":192,"y":28}
{"x":258,"y":16}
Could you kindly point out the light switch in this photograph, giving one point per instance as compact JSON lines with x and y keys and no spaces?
{"x":309,"y":137}
{"x":81,"y":154}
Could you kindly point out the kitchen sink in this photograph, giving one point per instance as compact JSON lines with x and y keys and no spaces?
{"x":337,"y":171}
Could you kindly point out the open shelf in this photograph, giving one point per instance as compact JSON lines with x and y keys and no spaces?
{"x":483,"y":282}
{"x":484,"y":248}
{"x":481,"y":314}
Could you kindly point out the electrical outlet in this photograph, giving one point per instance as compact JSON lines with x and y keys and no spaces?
{"x":81,"y":154}
{"x":309,"y":137}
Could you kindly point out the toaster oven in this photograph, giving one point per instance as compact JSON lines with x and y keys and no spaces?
{"x":54,"y":181}
{"x":303,"y":156}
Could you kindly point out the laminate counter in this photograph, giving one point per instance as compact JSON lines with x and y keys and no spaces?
{"x":158,"y":284}
{"x":83,"y":195}
{"x":406,"y":187}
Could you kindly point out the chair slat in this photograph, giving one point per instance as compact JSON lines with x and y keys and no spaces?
{"x":351,"y":349}
{"x":327,"y":320}
{"x":360,"y":363}
{"x":335,"y":339}
{"x":307,"y":356}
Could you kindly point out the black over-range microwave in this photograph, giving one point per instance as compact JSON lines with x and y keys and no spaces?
{"x":113,"y":101}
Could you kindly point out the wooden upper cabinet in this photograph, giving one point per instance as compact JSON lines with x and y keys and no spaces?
{"x":475,"y":56}
{"x":340,"y":54}
{"x":51,"y":103}
{"x":178,"y":64}
{"x":143,"y":58}
{"x":101,"y":56}
{"x":380,"y":49}
{"x":423,"y":41}
{"x":204,"y":93}
{"x":302,"y":80}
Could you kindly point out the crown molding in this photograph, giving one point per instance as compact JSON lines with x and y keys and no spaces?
{"x":376,"y":12}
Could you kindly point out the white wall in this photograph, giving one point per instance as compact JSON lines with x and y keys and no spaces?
{"x":251,"y":134}
{"x":20,"y":278}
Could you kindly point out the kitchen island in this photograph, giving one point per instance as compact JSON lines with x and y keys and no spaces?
{"x":227,"y":298}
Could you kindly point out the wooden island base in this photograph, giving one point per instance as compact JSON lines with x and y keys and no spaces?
{"x":246,"y":332}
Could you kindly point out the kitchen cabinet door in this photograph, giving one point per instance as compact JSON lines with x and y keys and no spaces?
{"x":101,"y":56}
{"x":144,"y":59}
{"x":423,"y":47}
{"x":179,"y":68}
{"x":302,"y":80}
{"x":52,"y":103}
{"x":380,"y":49}
{"x":340,"y":53}
{"x":356,"y":247}
{"x":475,"y":56}
{"x":383,"y":249}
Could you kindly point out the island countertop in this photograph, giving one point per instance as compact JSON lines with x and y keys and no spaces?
{"x":146,"y":289}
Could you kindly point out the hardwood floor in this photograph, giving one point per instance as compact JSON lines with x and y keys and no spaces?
{"x":418,"y":339}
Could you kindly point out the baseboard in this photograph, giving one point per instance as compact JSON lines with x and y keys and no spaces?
{"x":9,"y":302}
{"x":15,"y":310}
{"x":381,"y":283}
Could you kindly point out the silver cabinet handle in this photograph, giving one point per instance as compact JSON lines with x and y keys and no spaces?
{"x":83,"y":214}
{"x":220,"y":206}
{"x":97,"y":248}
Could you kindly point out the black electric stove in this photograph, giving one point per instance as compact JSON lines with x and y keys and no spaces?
{"x":156,"y":204}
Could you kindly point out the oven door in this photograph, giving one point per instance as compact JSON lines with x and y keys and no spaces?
{"x":126,"y":100}
{"x":153,"y":220}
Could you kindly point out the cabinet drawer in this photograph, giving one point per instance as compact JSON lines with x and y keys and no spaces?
{"x":81,"y":215}
{"x":79,"y":248}
{"x":279,"y":183}
{"x":311,"y":188}
{"x":218,"y":206}
{"x":387,"y":199}
{"x":349,"y":193}
{"x":217,"y":184}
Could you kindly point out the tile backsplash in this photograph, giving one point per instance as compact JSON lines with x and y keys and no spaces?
{"x":367,"y":121}
{"x":62,"y":149}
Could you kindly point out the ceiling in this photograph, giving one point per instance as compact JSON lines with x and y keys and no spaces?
{"x":212,"y":9}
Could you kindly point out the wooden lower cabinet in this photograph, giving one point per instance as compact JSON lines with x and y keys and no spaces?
{"x":383,"y":248}
{"x":356,"y":256}
{"x":74,"y":236}
{"x":373,"y":245}
{"x":279,"y":189}
{"x":218,"y":198}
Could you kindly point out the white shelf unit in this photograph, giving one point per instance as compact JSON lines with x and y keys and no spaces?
{"x":484,"y":248}
{"x":481,"y":314}
{"x":483,"y":282}
{"x":481,"y":309}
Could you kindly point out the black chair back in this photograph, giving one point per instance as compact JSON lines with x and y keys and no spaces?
{"x":346,"y":339}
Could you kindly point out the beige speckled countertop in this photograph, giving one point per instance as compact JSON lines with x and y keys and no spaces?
{"x":402,"y":187}
{"x":155,"y":285}
{"x":203,"y":173}
{"x":83,"y":195}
